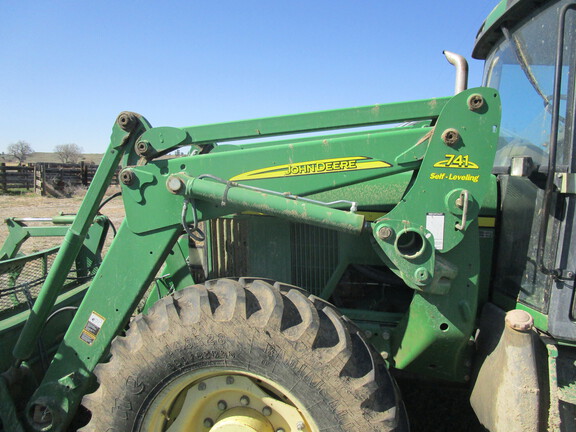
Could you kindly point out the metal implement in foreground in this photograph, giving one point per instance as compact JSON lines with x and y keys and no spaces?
{"x":278,"y":280}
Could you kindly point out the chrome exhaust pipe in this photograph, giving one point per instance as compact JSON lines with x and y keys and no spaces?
{"x":461,"y":70}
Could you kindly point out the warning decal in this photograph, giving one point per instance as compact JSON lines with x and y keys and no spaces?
{"x":92,"y":328}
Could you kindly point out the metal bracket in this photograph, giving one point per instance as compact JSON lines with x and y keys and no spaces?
{"x":566,"y":183}
{"x":462,"y":203}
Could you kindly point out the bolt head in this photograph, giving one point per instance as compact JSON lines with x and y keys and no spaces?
{"x":222,"y":405}
{"x":229,"y":380}
{"x":41,"y":415}
{"x":475,"y":102}
{"x":267,"y":411}
{"x":208,"y":422}
{"x":141,"y":147}
{"x":384,"y":232}
{"x":202,"y":386}
{"x":127,"y":120}
{"x":300,"y":426}
{"x":421,"y":275}
{"x":127,"y":177}
{"x":245,"y":400}
{"x":450,"y":136}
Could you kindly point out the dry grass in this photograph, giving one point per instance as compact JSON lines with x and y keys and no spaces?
{"x":31,"y":205}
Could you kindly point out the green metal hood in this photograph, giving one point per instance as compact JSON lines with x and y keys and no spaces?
{"x":507,"y":13}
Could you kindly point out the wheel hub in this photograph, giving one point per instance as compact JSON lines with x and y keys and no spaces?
{"x":242,"y":420}
{"x":224,"y":403}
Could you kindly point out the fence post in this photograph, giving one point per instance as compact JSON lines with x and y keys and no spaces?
{"x":84,"y":173}
{"x":27,"y":177}
{"x":40,"y":179}
{"x":3,"y":177}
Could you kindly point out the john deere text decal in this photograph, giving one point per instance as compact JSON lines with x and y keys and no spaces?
{"x":321,"y":166}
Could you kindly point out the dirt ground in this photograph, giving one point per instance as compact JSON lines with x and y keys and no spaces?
{"x":430,"y":407}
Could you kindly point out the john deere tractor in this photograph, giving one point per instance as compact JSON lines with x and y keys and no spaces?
{"x":277,"y":276}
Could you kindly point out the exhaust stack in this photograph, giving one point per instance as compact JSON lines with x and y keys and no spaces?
{"x":461,"y":70}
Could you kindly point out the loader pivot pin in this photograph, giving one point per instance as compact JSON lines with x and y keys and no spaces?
{"x":174,"y":184}
{"x":127,"y":120}
{"x":450,"y":136}
{"x":126,"y":177}
{"x":475,"y":102}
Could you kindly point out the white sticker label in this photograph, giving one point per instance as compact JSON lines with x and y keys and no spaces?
{"x":435,"y":224}
{"x":96,"y":319}
{"x":92,"y":328}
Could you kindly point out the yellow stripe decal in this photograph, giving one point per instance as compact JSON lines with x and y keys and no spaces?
{"x":321,"y":166}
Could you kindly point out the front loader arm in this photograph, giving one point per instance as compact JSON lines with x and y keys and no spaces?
{"x":160,"y":196}
{"x":127,"y":127}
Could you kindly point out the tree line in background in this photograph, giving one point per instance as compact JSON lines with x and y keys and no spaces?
{"x":67,"y":153}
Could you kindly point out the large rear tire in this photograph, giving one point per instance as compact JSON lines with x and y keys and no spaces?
{"x":246,"y":355}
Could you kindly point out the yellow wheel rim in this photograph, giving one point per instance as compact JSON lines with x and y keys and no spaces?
{"x":225,"y":401}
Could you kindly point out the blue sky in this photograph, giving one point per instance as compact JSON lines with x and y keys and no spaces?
{"x":69,"y":67}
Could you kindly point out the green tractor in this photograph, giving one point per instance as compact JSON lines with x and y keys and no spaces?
{"x":273,"y":277}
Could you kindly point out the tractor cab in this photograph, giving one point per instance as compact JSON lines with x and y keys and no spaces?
{"x":529,"y":52}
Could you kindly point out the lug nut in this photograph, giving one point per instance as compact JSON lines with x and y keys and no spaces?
{"x":267,"y":411}
{"x":300,"y":426}
{"x":208,"y":422}
{"x":229,"y":380}
{"x":222,"y":405}
{"x":245,"y":400}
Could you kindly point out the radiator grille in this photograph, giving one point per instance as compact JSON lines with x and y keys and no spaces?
{"x":228,"y":248}
{"x":314,"y":253}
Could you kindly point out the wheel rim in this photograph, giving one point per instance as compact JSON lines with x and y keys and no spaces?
{"x":225,"y":401}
